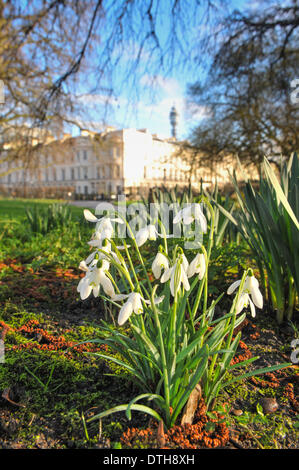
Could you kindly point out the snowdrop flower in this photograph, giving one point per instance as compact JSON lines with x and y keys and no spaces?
{"x":95,"y":278}
{"x":147,"y":233}
{"x":160,"y":262}
{"x":177,"y":275}
{"x":104,"y":246}
{"x":104,"y":228}
{"x":190,"y":213}
{"x":197,"y":266}
{"x":251,"y":288}
{"x":132,"y":305}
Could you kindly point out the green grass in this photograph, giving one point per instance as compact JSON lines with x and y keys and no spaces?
{"x":13,"y":210}
{"x":57,"y":390}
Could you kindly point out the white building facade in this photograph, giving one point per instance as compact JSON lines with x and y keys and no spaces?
{"x":102,"y":165}
{"x":126,"y":161}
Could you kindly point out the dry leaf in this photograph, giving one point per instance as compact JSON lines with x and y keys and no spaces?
{"x":5,"y":395}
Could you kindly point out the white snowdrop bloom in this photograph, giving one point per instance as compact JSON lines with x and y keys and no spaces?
{"x":190,"y":213}
{"x":132,"y":305}
{"x":160,"y":262}
{"x":197,"y":266}
{"x":104,"y":228}
{"x":177,"y":275}
{"x":95,"y":278}
{"x":250,"y":288}
{"x":147,"y":233}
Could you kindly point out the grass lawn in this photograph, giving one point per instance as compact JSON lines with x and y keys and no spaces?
{"x":51,"y":382}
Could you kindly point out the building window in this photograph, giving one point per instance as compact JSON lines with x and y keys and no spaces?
{"x":62,"y":174}
{"x":78,"y":170}
{"x":72,"y":173}
{"x":85,"y":172}
{"x":85,"y":189}
{"x":84,"y":155}
{"x":78,"y":156}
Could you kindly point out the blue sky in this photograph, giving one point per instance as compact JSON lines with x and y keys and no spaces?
{"x":143,"y":99}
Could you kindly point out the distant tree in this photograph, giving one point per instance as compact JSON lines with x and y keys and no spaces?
{"x":254,"y":59}
{"x":51,"y":51}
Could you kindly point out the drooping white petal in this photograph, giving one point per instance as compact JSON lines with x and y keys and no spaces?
{"x":135,"y":298}
{"x":125,"y":312}
{"x":178,"y":217}
{"x":96,"y":290}
{"x":106,"y":284}
{"x":89,"y":216}
{"x":105,"y":264}
{"x":152,"y":232}
{"x":84,"y":288}
{"x":187,"y":215}
{"x":242,"y":302}
{"x":104,"y":228}
{"x":142,"y":236}
{"x":199,"y":215}
{"x":160,"y":262}
{"x":252,"y":285}
{"x":166,"y":275}
{"x":197,"y":266}
{"x":90,"y":258}
{"x":233,"y":287}
{"x":185,"y":262}
{"x":184,"y":279}
{"x":83,"y":266}
{"x":252,"y":308}
{"x":95,"y":243}
{"x":257,"y":298}
{"x":157,"y":300}
{"x":118,"y":220}
{"x":118,"y":297}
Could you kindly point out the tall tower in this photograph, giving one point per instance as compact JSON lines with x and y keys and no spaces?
{"x":173,"y":116}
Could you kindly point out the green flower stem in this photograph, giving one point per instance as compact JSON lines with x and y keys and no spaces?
{"x":132,"y":268}
{"x":173,"y":327}
{"x":139,"y":254}
{"x":212,"y":227}
{"x":233,"y":319}
{"x":163,"y":360}
{"x":164,"y":236}
{"x":198,"y":297}
{"x":205,"y":303}
{"x":292,"y":298}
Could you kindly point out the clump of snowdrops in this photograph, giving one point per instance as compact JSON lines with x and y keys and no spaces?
{"x":173,"y":342}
